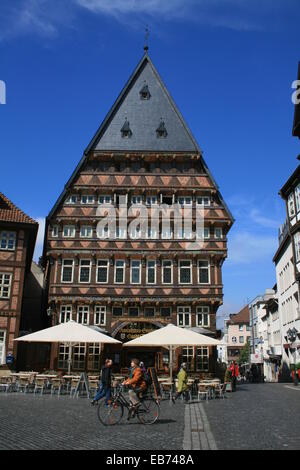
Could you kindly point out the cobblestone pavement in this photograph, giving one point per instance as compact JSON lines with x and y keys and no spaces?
{"x":197,"y":432}
{"x":45,"y":422}
{"x":256,"y":416}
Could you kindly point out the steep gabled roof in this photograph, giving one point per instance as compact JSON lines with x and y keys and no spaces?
{"x":241,"y":317}
{"x":11,"y":213}
{"x":144,"y":116}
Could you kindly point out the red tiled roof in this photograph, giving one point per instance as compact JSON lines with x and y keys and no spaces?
{"x":11,"y":213}
{"x":241,"y":317}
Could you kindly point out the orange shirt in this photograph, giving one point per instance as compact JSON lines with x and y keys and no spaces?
{"x":137,"y":379}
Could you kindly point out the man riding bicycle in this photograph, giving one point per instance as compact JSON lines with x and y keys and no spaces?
{"x":137,"y":383}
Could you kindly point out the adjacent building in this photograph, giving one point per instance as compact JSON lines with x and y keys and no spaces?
{"x":128,"y":277}
{"x":265,"y":331}
{"x":236,"y":335}
{"x":273,"y":349}
{"x":17,"y":241}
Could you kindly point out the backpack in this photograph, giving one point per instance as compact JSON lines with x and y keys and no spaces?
{"x":147,"y":379}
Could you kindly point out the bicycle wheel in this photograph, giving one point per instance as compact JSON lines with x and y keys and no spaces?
{"x":110,"y":414}
{"x":148,"y":411}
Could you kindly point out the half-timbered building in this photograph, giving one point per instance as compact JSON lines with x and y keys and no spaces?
{"x":17,"y":240}
{"x":143,"y":154}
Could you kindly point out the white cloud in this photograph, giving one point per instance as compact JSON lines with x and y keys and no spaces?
{"x":47,"y":17}
{"x":121,"y":7}
{"x":221,"y":13}
{"x":263,"y":221}
{"x":35,"y":17}
{"x":246,"y":247}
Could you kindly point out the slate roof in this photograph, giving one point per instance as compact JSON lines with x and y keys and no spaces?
{"x":144,"y":116}
{"x":11,"y":213}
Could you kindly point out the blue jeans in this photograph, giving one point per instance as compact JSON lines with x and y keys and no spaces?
{"x":103,"y":392}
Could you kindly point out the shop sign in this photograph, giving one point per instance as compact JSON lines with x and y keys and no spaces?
{"x":256,"y":358}
{"x":135,"y":330}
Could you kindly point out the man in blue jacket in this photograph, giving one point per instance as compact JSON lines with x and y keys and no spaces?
{"x":104,"y":383}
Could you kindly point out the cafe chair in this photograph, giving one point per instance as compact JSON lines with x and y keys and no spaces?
{"x":220,"y":391}
{"x":57,"y":385}
{"x":23,"y":384}
{"x":6,"y":383}
{"x":40,"y":385}
{"x":203,"y":392}
{"x":74,"y":383}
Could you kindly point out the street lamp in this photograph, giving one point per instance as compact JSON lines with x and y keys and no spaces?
{"x":292,"y":336}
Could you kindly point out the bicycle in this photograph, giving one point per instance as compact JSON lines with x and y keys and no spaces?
{"x":111,"y":413}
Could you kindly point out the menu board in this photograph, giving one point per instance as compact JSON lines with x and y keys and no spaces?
{"x":153,"y":375}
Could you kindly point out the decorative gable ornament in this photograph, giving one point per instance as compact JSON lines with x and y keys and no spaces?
{"x":126,"y":131}
{"x":145,"y":93}
{"x":161,"y":131}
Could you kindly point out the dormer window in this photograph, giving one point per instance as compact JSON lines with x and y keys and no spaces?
{"x":126,"y":131}
{"x":145,"y":93}
{"x":161,"y":131}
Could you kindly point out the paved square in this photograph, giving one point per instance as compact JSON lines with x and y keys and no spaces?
{"x":45,"y":422}
{"x":256,"y":416}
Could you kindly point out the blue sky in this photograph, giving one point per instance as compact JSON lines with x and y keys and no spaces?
{"x":229,"y":65}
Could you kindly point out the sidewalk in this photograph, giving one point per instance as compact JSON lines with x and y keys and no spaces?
{"x":197,"y":432}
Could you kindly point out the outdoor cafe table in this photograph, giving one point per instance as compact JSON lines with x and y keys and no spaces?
{"x":71,"y":377}
{"x":167,"y":383}
{"x":210,"y":385}
{"x":23,"y":374}
{"x":46,"y":376}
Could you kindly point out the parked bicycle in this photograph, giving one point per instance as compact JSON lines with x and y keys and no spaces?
{"x":112,"y":412}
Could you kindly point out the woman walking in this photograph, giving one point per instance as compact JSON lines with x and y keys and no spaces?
{"x":182,"y":383}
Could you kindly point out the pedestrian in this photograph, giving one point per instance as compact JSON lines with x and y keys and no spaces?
{"x":227,"y":377}
{"x":138,"y":386}
{"x":234,"y":369}
{"x":104,"y":383}
{"x":293,"y":375}
{"x":182,"y":383}
{"x":254,"y":373}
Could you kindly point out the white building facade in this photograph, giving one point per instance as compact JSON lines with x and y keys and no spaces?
{"x":288,"y":302}
{"x":265,"y":342}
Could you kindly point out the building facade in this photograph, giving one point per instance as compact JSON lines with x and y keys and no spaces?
{"x":265,"y":330}
{"x":236,"y":334}
{"x":273,"y":349}
{"x":17,"y":240}
{"x":129,"y":277}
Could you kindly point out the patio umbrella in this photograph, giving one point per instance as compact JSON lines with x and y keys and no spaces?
{"x":170,"y":336}
{"x":70,"y":333}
